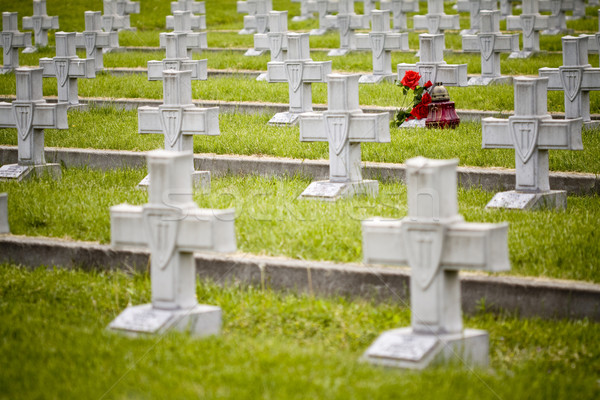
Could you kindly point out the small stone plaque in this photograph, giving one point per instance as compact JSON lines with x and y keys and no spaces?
{"x":414,"y":123}
{"x":12,"y":171}
{"x":145,"y":182}
{"x":511,"y":199}
{"x":142,"y":318}
{"x":323,"y":189}
{"x":375,"y":78}
{"x":284,"y":118}
{"x":402,"y":347}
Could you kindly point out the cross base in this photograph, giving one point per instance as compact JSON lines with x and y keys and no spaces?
{"x":377,"y":78}
{"x":403,"y":348}
{"x":285,"y":118}
{"x":247,"y":31}
{"x":18,"y":172}
{"x":262,"y":77}
{"x":4,"y":228}
{"x":200,"y":181}
{"x":521,"y":54}
{"x":318,"y":31}
{"x":254,"y":53}
{"x":201,"y":320}
{"x":300,"y":18}
{"x":28,"y":50}
{"x":553,"y":199}
{"x":333,"y":191}
{"x":338,"y":52}
{"x":484,"y":81}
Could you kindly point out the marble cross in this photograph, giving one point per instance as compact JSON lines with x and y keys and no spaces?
{"x":531,"y":22}
{"x":40,"y":23}
{"x":558,"y":19}
{"x":300,"y":72}
{"x":114,"y":17}
{"x":305,"y":14}
{"x":67,"y":68}
{"x":347,"y":21}
{"x":381,"y":41}
{"x":576,"y":77}
{"x":196,"y":7}
{"x":94,"y":40}
{"x":489,"y":42}
{"x":436,"y":243}
{"x":474,"y":7}
{"x":178,"y":119}
{"x":172,"y":227}
{"x":12,"y":41}
{"x":275,"y":40}
{"x":4,"y":227}
{"x":400,"y":9}
{"x":258,"y":12}
{"x":531,"y":132}
{"x":178,"y":57}
{"x":323,"y":8}
{"x":185,"y":21}
{"x":344,"y":126}
{"x":436,"y":21}
{"x":432,"y":66}
{"x":30,"y":114}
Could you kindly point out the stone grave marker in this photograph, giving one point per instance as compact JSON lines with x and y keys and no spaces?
{"x":30,"y":114}
{"x":178,"y":119}
{"x":347,"y":21}
{"x":94,"y":40}
{"x":344,"y":126}
{"x":578,"y":10}
{"x":381,"y":41}
{"x":558,"y":19}
{"x":177,"y":58}
{"x":576,"y":78}
{"x":258,"y":12}
{"x":474,"y":8}
{"x":4,"y":227}
{"x":67,"y":68}
{"x":12,"y":41}
{"x":490,"y":43}
{"x":186,"y":21}
{"x":274,"y":40}
{"x":300,"y":72}
{"x":115,"y":18}
{"x":431,"y":65}
{"x":531,"y":22}
{"x":594,"y":40}
{"x":506,"y":8}
{"x":436,"y":21}
{"x":305,"y":14}
{"x":40,"y":23}
{"x":400,"y":9}
{"x":323,"y":8}
{"x":436,"y":243}
{"x":195,"y":7}
{"x":531,"y":132}
{"x":172,"y":227}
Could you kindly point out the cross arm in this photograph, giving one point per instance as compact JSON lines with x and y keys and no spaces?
{"x":495,"y":134}
{"x":198,"y":68}
{"x":261,"y":41}
{"x":242,"y":7}
{"x":540,"y":22}
{"x":207,"y":230}
{"x":359,"y":22}
{"x":590,"y":77}
{"x":7,"y":117}
{"x":149,"y":120}
{"x":132,"y":7}
{"x":78,"y":68}
{"x":195,"y":120}
{"x":276,"y":71}
{"x":392,"y":41}
{"x":22,"y":39}
{"x":193,"y":40}
{"x":312,"y":127}
{"x":197,"y":7}
{"x":369,"y":128}
{"x":316,"y":71}
{"x":197,"y":22}
{"x":560,"y":134}
{"x":47,"y":23}
{"x":50,"y":116}
{"x":126,"y":227}
{"x":470,"y":43}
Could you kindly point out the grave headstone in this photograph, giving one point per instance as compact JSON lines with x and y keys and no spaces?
{"x":347,"y":21}
{"x":12,"y":41}
{"x":4,"y":227}
{"x":172,"y":227}
{"x":436,"y":243}
{"x":345,"y":127}
{"x":40,"y":23}
{"x":531,"y":22}
{"x":474,"y":8}
{"x":258,"y":12}
{"x":195,"y":7}
{"x":400,"y":9}
{"x":558,"y":19}
{"x":576,"y":78}
{"x":178,"y":119}
{"x":115,"y":18}
{"x":275,"y":39}
{"x":531,"y":132}
{"x":305,"y":14}
{"x":431,"y":65}
{"x":67,"y":68}
{"x":381,"y":41}
{"x":436,"y":21}
{"x":30,"y":114}
{"x":188,"y":21}
{"x":300,"y":72}
{"x":177,"y":58}
{"x":94,"y":40}
{"x":490,"y":43}
{"x":323,"y":8}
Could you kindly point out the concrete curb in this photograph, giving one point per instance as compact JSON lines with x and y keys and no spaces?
{"x":526,"y":297}
{"x":495,"y":179}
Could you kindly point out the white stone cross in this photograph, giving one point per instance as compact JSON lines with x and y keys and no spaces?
{"x":12,"y":41}
{"x":258,"y":12}
{"x":181,"y":22}
{"x":66,"y":67}
{"x":558,"y":19}
{"x":40,"y":23}
{"x":531,"y":132}
{"x":305,"y":14}
{"x":196,"y":7}
{"x":94,"y":40}
{"x":489,"y":42}
{"x":400,"y":9}
{"x":275,"y":40}
{"x":178,"y":119}
{"x":474,"y":8}
{"x":575,"y":77}
{"x":323,"y":8}
{"x":300,"y":72}
{"x":436,"y":21}
{"x":432,"y":66}
{"x":172,"y":227}
{"x":381,"y":41}
{"x":114,"y":17}
{"x":4,"y":227}
{"x":185,"y":21}
{"x":177,"y":58}
{"x":531,"y":22}
{"x":347,"y":21}
{"x":344,"y":126}
{"x":436,"y":243}
{"x":30,"y":114}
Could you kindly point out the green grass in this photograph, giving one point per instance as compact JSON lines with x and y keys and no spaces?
{"x":274,"y":345}
{"x":270,"y":221}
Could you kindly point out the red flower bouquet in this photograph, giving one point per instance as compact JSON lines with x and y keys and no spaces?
{"x":420,"y":100}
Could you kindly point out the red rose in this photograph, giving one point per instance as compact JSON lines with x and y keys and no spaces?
{"x":420,"y":111}
{"x":428,"y":85}
{"x":411,"y":79}
{"x":426,"y":99}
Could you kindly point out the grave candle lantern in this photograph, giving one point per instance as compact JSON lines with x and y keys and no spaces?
{"x":442,"y":114}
